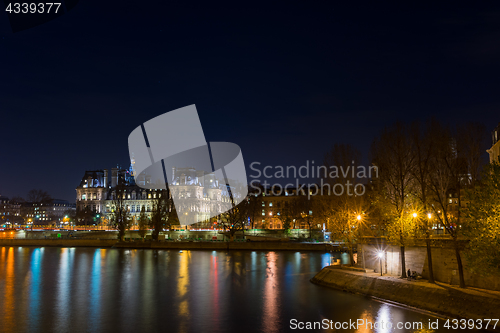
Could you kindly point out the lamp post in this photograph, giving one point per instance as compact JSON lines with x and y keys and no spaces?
{"x":380,"y":255}
{"x":356,"y":225}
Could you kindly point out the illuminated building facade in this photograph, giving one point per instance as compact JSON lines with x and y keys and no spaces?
{"x":273,"y":204}
{"x":52,"y":212}
{"x":10,"y":211}
{"x":201,"y":193}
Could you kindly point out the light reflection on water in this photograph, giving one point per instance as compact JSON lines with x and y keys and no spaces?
{"x":99,"y":290}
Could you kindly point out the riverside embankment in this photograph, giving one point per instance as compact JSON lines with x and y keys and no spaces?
{"x":169,"y":245}
{"x":444,"y":299}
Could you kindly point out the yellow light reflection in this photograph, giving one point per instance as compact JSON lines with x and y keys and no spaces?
{"x":182,"y":288}
{"x":271,"y":319}
{"x":8,"y":314}
{"x":367,"y":320}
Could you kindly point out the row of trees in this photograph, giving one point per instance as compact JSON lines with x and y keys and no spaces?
{"x":482,"y":227}
{"x":163,"y":214}
{"x":420,"y":167}
{"x":34,"y":196}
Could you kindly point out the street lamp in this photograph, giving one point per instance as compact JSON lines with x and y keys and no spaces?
{"x":414,"y":214}
{"x":358,"y":217}
{"x":380,"y":254}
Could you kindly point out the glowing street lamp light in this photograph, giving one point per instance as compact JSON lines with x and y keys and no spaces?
{"x":429,"y":215}
{"x":414,"y":214}
{"x":380,"y":255}
{"x":358,"y":217}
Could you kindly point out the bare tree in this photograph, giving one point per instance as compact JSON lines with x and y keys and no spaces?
{"x":304,"y":207}
{"x":17,"y":199}
{"x":424,"y":149}
{"x":471,"y":144}
{"x":173,"y":218}
{"x":39,"y":196}
{"x":483,"y":223}
{"x":143,"y":223}
{"x":394,"y":156}
{"x":455,"y":166}
{"x":120,"y":215}
{"x":254,"y":206}
{"x":162,"y":206}
{"x":235,"y":219}
{"x":288,"y":213}
{"x":343,"y":210}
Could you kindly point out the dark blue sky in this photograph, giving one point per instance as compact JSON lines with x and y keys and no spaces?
{"x":284,"y":82}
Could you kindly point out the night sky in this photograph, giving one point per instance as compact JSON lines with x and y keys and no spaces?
{"x":284,"y":82}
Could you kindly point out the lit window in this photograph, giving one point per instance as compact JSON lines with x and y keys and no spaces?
{"x":270,"y":204}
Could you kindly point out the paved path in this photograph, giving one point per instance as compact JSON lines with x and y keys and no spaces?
{"x":425,"y":283}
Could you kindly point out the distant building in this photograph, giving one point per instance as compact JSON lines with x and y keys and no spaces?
{"x":273,"y":202}
{"x":201,"y":193}
{"x":10,"y":211}
{"x":52,"y":212}
{"x":494,"y":151}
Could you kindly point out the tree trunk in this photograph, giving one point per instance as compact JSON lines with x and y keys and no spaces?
{"x":429,"y":258}
{"x":351,"y":255}
{"x":155,"y":233}
{"x":403,"y":264}
{"x":121,"y":235}
{"x":460,"y":266}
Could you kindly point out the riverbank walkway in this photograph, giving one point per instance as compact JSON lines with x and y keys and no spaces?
{"x":422,"y":283}
{"x":441,"y":298}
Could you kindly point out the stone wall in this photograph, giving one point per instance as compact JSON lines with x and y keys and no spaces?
{"x":252,"y":246}
{"x":444,"y":263}
{"x":451,"y":302}
{"x":58,"y":242}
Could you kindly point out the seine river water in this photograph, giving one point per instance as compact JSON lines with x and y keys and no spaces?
{"x":115,"y":290}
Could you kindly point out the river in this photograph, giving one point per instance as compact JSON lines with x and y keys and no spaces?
{"x":116,"y":290}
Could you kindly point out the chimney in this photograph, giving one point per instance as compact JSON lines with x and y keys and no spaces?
{"x":114,"y":177}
